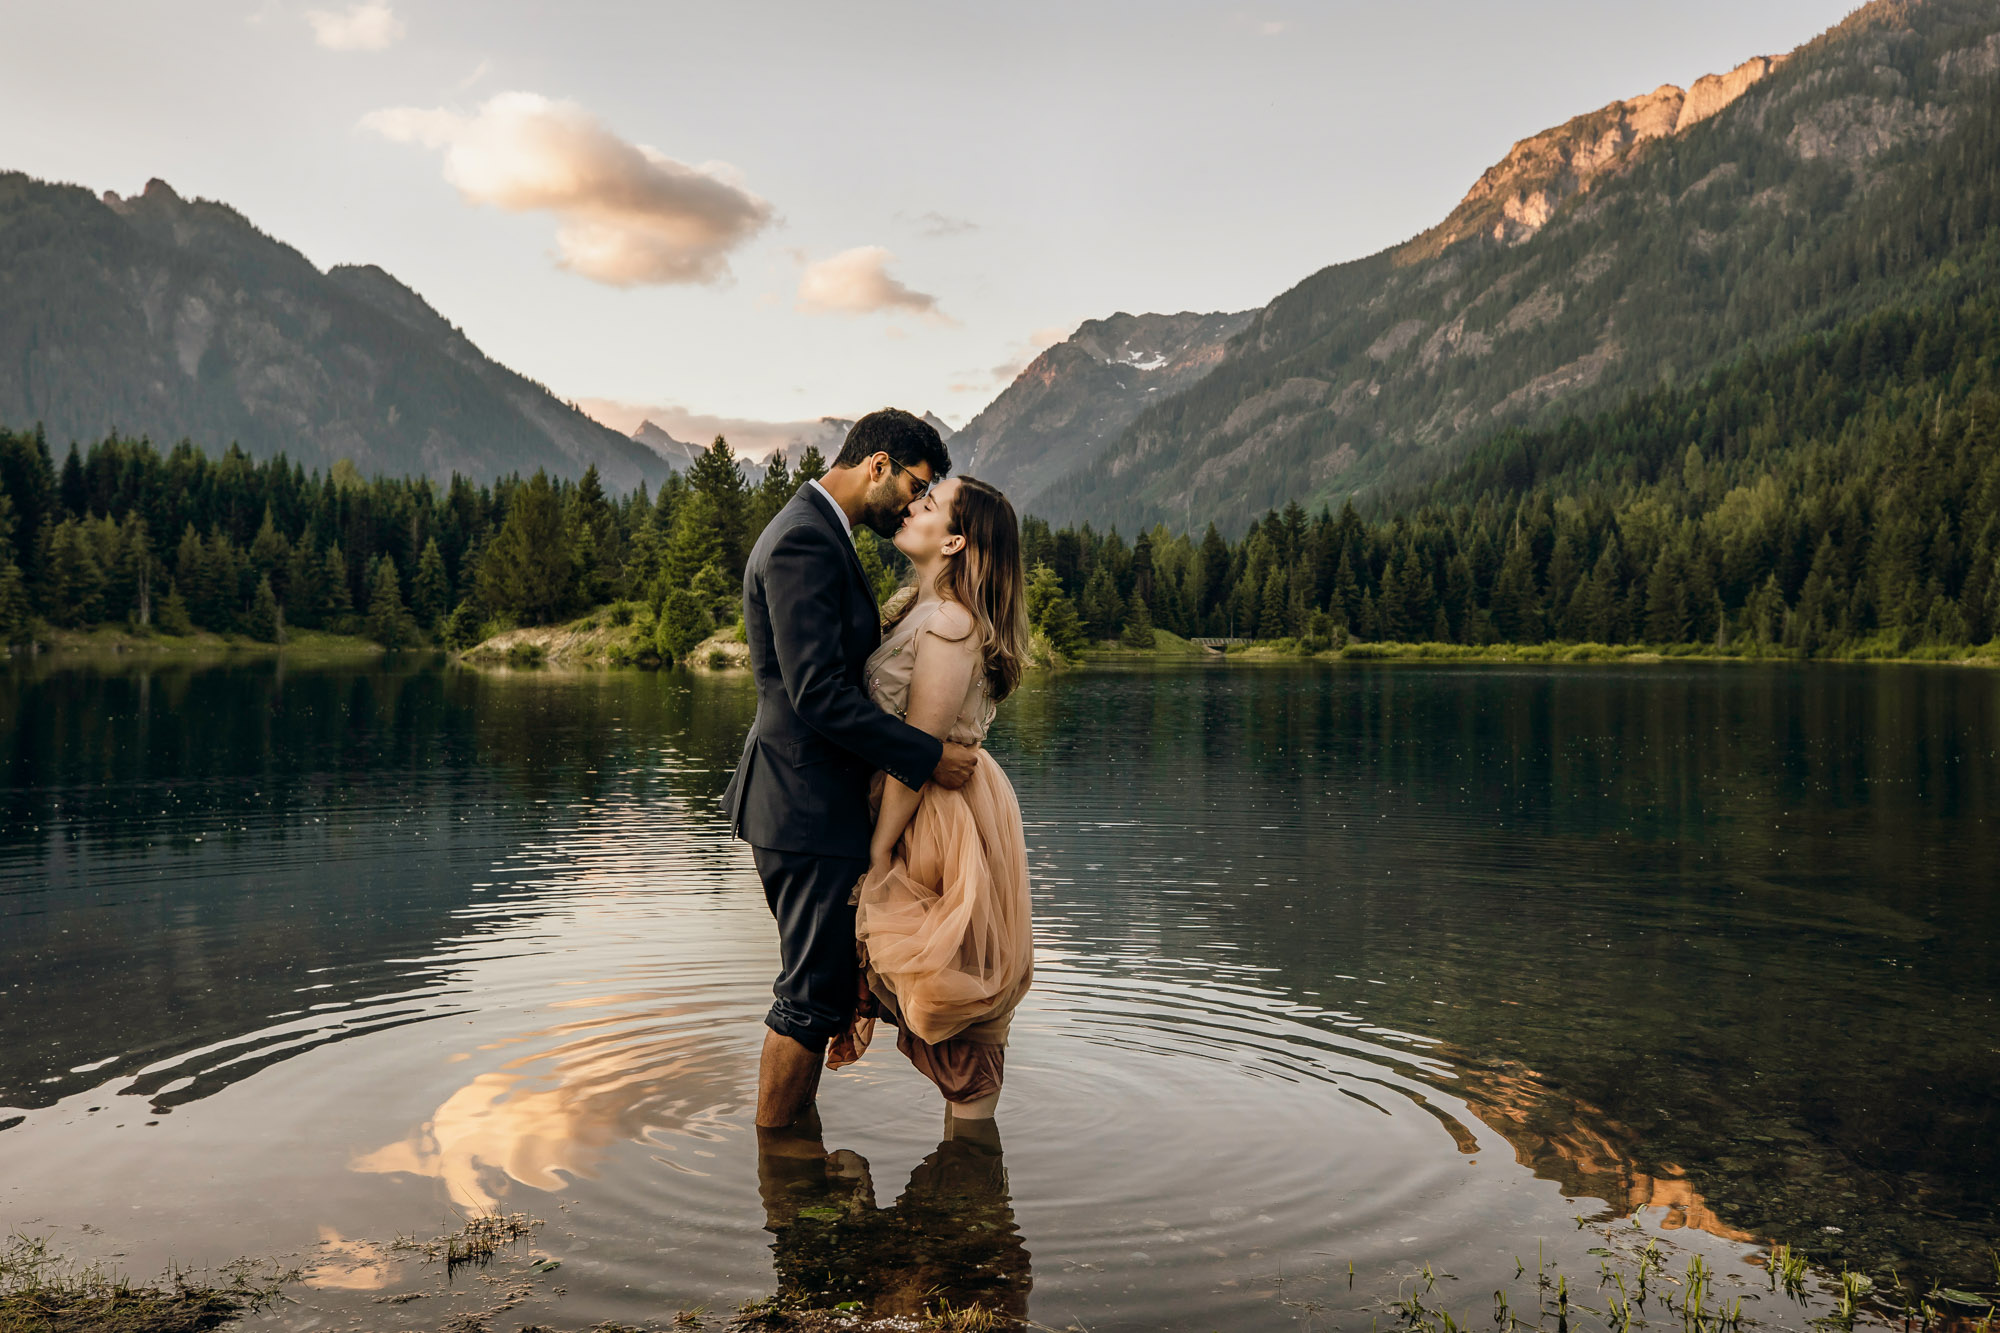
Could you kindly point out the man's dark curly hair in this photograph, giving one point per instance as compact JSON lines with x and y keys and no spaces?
{"x":907,"y":439}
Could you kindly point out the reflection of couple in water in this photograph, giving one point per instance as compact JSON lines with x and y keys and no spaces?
{"x":890,"y":848}
{"x":950,"y":1236}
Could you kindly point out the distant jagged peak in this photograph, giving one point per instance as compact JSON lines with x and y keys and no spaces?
{"x":937,"y":423}
{"x":655,"y":437}
{"x":1516,"y":196}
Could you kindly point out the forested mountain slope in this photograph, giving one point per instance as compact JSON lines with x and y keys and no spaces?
{"x":175,"y":319}
{"x":1631,"y":247}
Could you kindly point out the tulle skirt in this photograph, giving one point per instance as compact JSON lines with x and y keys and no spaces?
{"x":946,"y":942}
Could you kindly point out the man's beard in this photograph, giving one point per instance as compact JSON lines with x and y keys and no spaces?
{"x":882,"y":508}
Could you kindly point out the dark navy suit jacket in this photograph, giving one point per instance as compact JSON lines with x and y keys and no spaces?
{"x":811,"y":621}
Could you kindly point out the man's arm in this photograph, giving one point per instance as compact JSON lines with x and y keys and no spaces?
{"x":804,"y":605}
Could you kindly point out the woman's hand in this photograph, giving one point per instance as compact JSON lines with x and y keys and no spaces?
{"x":879,"y":857}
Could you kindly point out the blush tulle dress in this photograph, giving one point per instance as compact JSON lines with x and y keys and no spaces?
{"x":946,"y":943}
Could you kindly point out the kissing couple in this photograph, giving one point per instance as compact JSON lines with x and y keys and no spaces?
{"x":890,"y":847}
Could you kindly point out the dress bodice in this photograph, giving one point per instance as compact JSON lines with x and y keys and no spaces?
{"x":891,"y":666}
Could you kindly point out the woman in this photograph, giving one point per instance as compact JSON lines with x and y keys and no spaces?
{"x":942,"y":914}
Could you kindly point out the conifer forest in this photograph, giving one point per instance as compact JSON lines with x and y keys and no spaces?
{"x":1837,"y":497}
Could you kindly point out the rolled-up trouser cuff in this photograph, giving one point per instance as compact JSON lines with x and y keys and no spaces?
{"x":785,"y":1021}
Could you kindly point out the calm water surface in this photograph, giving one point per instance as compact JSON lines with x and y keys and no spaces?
{"x":1352,"y":964}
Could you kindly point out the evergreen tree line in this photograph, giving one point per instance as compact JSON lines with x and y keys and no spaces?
{"x":177,"y":541}
{"x":1841,"y":496}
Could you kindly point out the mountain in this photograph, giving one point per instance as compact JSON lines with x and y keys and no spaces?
{"x":678,"y":454}
{"x":177,"y":319}
{"x":1074,"y":399}
{"x":937,"y":424}
{"x":1642,"y":243}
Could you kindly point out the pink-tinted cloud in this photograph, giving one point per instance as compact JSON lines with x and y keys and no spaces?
{"x":627,"y":214}
{"x":857,"y":282}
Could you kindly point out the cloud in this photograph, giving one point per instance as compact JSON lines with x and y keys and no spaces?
{"x":627,"y":214}
{"x":1272,"y":28}
{"x":857,"y":282}
{"x":367,"y":26}
{"x":943,"y":224}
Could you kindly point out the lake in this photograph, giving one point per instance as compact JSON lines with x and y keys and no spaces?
{"x":1342,"y":969}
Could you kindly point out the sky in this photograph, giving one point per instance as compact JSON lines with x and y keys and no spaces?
{"x":730,"y":216}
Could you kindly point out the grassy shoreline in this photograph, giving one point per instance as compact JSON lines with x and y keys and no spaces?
{"x":599,"y":639}
{"x":120,"y":638}
{"x":592,"y":641}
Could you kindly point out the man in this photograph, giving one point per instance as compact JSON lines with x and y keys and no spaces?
{"x":800,"y":794}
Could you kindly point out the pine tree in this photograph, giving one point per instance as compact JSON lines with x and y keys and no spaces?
{"x":1144,"y":582}
{"x":1368,"y":625}
{"x":1565,"y":573}
{"x":649,"y":546}
{"x":1456,"y":602}
{"x":270,"y":554}
{"x":1395,"y":616}
{"x":336,"y":597}
{"x":1138,"y":631}
{"x":1271,"y":604}
{"x":305,"y":585}
{"x":389,"y":623}
{"x":13,"y":588}
{"x":812,"y":466}
{"x":174,"y":617}
{"x":191,"y":575}
{"x":594,"y":545}
{"x":771,"y":495}
{"x":715,"y":476}
{"x":133,"y":571}
{"x":1345,"y":605}
{"x":1517,"y":602}
{"x":1103,"y":610}
{"x":695,"y":543}
{"x":72,"y":580}
{"x":1051,"y":611}
{"x":265,"y":621}
{"x":880,"y":577}
{"x":430,"y":590}
{"x":1214,"y":589}
{"x":526,"y":572}
{"x":1821,"y":602}
{"x":75,"y":499}
{"x":1669,"y":618}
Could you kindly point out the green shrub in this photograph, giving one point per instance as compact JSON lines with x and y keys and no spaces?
{"x":683,"y":623}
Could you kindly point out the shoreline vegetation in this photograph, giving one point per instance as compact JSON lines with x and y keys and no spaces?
{"x":1644,"y":1278}
{"x":608,"y":637}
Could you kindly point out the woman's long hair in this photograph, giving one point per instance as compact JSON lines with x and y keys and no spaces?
{"x":986,"y":577}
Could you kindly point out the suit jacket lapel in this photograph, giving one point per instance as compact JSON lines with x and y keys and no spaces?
{"x":823,"y":507}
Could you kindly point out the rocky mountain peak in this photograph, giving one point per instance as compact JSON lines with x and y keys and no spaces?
{"x":1074,"y":399}
{"x":1517,"y":195}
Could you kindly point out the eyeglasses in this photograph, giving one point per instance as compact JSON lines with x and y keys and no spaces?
{"x":923,"y":486}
